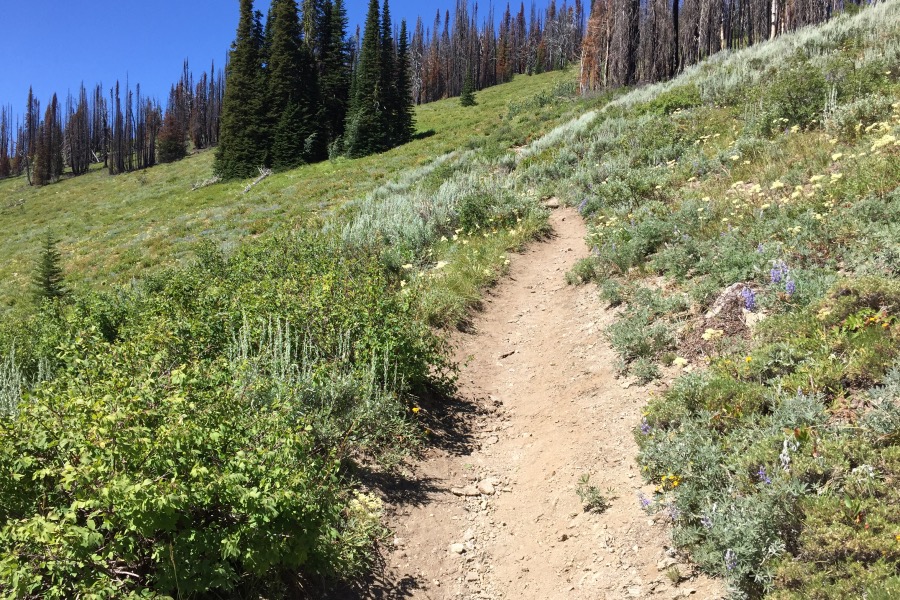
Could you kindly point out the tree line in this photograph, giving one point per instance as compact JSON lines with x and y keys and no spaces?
{"x":643,"y":41}
{"x":453,"y":48}
{"x":297,"y":88}
{"x":122,"y":129}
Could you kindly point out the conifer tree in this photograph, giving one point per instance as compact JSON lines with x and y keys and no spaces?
{"x":171,"y":139}
{"x":404,"y":120}
{"x":387,"y":84}
{"x":48,"y":279}
{"x":243,"y":131}
{"x":364,"y":119}
{"x":467,"y":98}
{"x":334,"y":69}
{"x":292,"y":90}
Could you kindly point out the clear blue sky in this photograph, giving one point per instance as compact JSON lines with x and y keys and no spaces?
{"x":54,"y":45}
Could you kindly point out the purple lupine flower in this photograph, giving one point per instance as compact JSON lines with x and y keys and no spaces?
{"x":582,"y":206}
{"x":749,"y":298}
{"x":762,"y":476}
{"x":790,"y":287}
{"x":644,"y":500}
{"x":730,"y":560}
{"x":706,"y":521}
{"x":760,"y":248}
{"x":779,"y":272}
{"x":645,"y":426}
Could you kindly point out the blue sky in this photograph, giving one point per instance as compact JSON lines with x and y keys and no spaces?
{"x":54,"y":45}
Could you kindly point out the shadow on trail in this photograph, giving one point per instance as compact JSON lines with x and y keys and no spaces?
{"x":449,"y":422}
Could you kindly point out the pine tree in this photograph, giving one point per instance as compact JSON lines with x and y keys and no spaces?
{"x":243,"y":132}
{"x":293,"y":94}
{"x":364,"y":119}
{"x":171,"y":139}
{"x":404,"y":124}
{"x":387,"y":96}
{"x":334,"y":69}
{"x":48,"y":279}
{"x":467,"y":98}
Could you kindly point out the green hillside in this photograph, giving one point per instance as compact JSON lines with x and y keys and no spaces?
{"x":749,"y":213}
{"x":113,"y":228}
{"x":206,"y":430}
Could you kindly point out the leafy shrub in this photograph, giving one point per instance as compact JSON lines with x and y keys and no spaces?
{"x":798,"y":94}
{"x":194,"y":436}
{"x":676,"y":98}
{"x":849,"y":120}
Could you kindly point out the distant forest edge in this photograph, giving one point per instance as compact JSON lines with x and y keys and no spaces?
{"x":124,"y":130}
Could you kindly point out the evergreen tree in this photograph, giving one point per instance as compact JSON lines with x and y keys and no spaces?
{"x":334,"y":69}
{"x":292,"y":90}
{"x":171,"y":139}
{"x":243,"y":132}
{"x":404,"y":120}
{"x":48,"y":278}
{"x":387,"y":84}
{"x":467,"y":98}
{"x":364,"y":119}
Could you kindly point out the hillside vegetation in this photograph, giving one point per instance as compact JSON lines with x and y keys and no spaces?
{"x":204,"y":431}
{"x":116,"y":228}
{"x":749,"y":213}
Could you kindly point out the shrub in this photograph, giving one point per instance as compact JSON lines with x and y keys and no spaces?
{"x":799,"y":94}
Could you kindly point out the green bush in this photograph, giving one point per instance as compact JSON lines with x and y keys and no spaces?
{"x":798,"y":94}
{"x":194,"y":435}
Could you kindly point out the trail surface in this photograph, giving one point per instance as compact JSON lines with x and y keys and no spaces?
{"x":492,"y":510}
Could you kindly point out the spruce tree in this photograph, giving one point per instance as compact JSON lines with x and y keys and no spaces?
{"x":292,"y":90}
{"x":467,"y":97}
{"x":364,"y":119}
{"x":242,"y":130}
{"x":404,"y":120}
{"x":48,"y":278}
{"x":387,"y":84}
{"x":334,"y":69}
{"x":171,"y":139}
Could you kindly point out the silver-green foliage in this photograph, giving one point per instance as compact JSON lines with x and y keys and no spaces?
{"x":10,"y":385}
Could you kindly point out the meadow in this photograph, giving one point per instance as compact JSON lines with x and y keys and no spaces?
{"x":113,"y":228}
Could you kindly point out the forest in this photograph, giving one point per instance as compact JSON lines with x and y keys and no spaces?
{"x":125,"y":130}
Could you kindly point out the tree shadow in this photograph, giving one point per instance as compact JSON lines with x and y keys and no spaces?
{"x":421,"y":135}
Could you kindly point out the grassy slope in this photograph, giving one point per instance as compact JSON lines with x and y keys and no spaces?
{"x":114,"y":228}
{"x":776,"y":454}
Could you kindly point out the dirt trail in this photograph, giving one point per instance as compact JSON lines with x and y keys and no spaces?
{"x":541,"y":407}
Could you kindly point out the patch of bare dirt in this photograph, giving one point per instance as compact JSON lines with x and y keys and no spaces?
{"x":492,"y":511}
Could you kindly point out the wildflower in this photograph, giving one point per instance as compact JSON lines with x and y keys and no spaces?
{"x":416,"y":410}
{"x":790,"y":287}
{"x":735,"y":157}
{"x":730,"y":560}
{"x":748,"y":359}
{"x":680,"y":361}
{"x":407,"y":266}
{"x":760,"y":248}
{"x":402,"y":284}
{"x":455,"y":237}
{"x":706,"y":521}
{"x":765,"y":206}
{"x":837,"y":156}
{"x":836,"y":176}
{"x":440,"y":264}
{"x":645,"y":502}
{"x":673,"y":511}
{"x":645,"y":427}
{"x":777,"y":185}
{"x":762,"y":476}
{"x":778,"y":272}
{"x":749,"y":298}
{"x":443,"y":238}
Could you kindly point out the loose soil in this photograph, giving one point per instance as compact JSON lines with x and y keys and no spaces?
{"x":491,"y":510}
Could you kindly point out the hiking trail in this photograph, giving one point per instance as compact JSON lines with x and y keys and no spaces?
{"x":491,"y":510}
